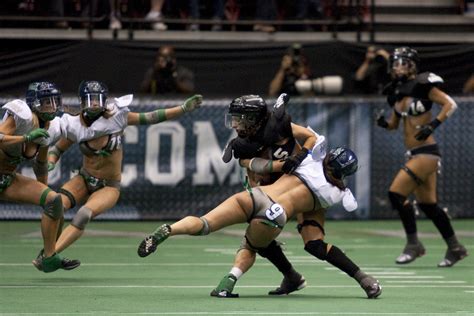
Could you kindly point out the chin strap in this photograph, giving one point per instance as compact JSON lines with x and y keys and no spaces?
{"x":89,"y":120}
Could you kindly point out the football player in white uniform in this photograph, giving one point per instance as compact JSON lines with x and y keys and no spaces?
{"x":98,"y":129}
{"x":26,"y":131}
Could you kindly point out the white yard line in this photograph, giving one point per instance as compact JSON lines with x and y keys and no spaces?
{"x":129,"y":286}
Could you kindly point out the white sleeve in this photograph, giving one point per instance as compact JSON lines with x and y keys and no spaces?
{"x":121,"y":117}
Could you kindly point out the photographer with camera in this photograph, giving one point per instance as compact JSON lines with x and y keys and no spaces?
{"x":294,"y":77}
{"x":372,"y":74}
{"x":294,"y":66}
{"x":166,"y":76}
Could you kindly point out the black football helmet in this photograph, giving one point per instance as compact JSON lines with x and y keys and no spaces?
{"x":343,"y":162}
{"x":404,"y":62}
{"x":246,"y":114}
{"x":44,"y":99}
{"x":93,"y":96}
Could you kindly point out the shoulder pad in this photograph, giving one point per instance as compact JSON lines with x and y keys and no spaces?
{"x":348,"y":201}
{"x":429,"y":78}
{"x":320,"y":148}
{"x":279,"y":108}
{"x":19,"y":108}
{"x":124,"y":101}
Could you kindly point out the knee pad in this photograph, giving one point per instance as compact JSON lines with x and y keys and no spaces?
{"x":306,"y":222}
{"x":397,"y":200}
{"x":205,"y":230}
{"x":82,"y":218}
{"x":54,"y":208}
{"x":272,"y":247}
{"x":69,"y":195}
{"x":317,"y":248}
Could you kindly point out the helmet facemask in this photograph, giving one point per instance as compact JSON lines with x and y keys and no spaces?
{"x":48,"y":107}
{"x":244,"y":124}
{"x":403,"y":63}
{"x":246,"y":114}
{"x":93,"y":97}
{"x":93,"y":104}
{"x":403,"y":68}
{"x":44,"y":99}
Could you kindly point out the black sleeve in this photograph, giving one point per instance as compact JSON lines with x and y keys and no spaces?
{"x":240,"y":148}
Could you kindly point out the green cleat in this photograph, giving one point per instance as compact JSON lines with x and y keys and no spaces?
{"x":225,"y":287}
{"x":66,"y":264}
{"x":149,"y":244}
{"x":52,"y":263}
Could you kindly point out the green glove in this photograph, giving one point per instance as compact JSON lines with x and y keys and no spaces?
{"x":192,"y":103}
{"x":103,"y":153}
{"x":36,"y":133}
{"x":51,"y":166}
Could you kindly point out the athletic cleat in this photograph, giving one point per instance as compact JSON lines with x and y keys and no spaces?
{"x":452,"y":256}
{"x":66,"y":264}
{"x":225,"y":287}
{"x":149,"y":244}
{"x":224,"y":294}
{"x":38,"y":261}
{"x":291,"y":283}
{"x":51,"y":264}
{"x":371,"y":286}
{"x":69,"y":264}
{"x":410,"y":253}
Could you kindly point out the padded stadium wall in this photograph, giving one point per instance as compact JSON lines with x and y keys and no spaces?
{"x":174,"y":168}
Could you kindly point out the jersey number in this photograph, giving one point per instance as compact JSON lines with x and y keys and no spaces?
{"x":274,"y":211}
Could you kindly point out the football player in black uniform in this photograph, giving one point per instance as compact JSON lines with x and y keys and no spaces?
{"x":269,"y":134}
{"x":411,"y":96}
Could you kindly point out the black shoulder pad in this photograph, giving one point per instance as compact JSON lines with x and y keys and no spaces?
{"x":277,"y":129}
{"x":279,"y":109}
{"x":424,"y":82}
{"x":429,"y":78}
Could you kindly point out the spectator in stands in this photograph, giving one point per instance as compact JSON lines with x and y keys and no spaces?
{"x":468,"y":87}
{"x":155,"y":16}
{"x":294,"y":66}
{"x":219,"y":14}
{"x":166,"y":76}
{"x":266,"y":10}
{"x":372,"y":74}
{"x":411,"y":96}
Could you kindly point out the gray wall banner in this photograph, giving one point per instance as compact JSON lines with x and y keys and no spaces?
{"x":174,"y":168}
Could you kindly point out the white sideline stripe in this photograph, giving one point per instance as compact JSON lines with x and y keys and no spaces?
{"x":250,"y":313}
{"x":469,"y":291}
{"x":211,"y":286}
{"x":410,"y":277}
{"x":426,"y":281}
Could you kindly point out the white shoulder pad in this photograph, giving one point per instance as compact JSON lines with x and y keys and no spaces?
{"x":320,"y":148}
{"x":348,"y":201}
{"x":124,"y":101}
{"x":19,"y":108}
